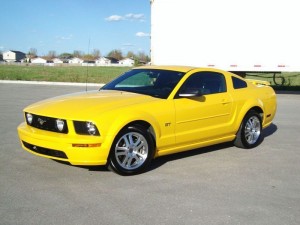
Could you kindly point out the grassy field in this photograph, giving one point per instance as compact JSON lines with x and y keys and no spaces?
{"x":60,"y":73}
{"x":284,"y":81}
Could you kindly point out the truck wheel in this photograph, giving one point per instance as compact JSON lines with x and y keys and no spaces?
{"x":132,"y":151}
{"x":249,"y":134}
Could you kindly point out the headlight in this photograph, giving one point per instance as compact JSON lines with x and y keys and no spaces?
{"x":91,"y":128}
{"x":29,"y":118}
{"x":60,"y":125}
{"x":86,"y":128}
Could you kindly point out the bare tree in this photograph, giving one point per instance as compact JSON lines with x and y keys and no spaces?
{"x":96,"y":53}
{"x":117,"y":54}
{"x":131,"y":55}
{"x":143,"y":57}
{"x":32,"y":53}
{"x":51,"y":54}
{"x":78,"y":53}
{"x":88,"y":57}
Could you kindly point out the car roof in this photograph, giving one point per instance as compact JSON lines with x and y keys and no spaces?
{"x":173,"y":68}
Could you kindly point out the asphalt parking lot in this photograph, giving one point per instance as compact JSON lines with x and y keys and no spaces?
{"x":217,"y":185}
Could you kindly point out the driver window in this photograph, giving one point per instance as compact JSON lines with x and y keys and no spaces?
{"x":205,"y":83}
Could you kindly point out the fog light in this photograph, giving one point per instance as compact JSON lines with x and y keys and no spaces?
{"x":91,"y":128}
{"x":60,"y":125}
{"x":29,"y":118}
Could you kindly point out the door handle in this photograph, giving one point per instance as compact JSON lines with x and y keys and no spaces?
{"x":225,"y":101}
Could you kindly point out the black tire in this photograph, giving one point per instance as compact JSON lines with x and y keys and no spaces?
{"x":131,"y":151}
{"x":250,"y":131}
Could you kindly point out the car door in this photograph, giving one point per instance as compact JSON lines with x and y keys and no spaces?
{"x":205,"y":116}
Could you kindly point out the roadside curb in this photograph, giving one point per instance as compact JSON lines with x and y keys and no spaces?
{"x":50,"y":83}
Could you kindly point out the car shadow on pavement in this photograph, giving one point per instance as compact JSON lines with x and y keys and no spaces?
{"x":90,"y":168}
{"x":160,"y":161}
{"x":270,"y":130}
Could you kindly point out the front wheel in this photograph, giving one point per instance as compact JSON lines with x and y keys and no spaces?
{"x":132,"y":151}
{"x":249,"y":134}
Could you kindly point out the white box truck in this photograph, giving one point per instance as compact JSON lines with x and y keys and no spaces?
{"x":233,"y":35}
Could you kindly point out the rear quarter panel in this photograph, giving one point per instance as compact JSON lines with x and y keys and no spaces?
{"x":261,"y":96}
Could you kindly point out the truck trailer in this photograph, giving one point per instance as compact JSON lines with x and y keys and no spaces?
{"x":233,"y":35}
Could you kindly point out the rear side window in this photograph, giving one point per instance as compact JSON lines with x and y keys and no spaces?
{"x":238,"y":83}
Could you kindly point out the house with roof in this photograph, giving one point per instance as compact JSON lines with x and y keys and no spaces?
{"x":103,"y":61}
{"x":75,"y":60}
{"x":88,"y":63}
{"x":126,"y":62}
{"x":13,"y":56}
{"x":57,"y":60}
{"x":113,"y":60}
{"x":38,"y":60}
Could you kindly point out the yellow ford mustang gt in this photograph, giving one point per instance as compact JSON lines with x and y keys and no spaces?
{"x":149,"y":112}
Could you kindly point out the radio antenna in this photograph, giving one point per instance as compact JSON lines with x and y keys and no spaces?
{"x":87,"y":67}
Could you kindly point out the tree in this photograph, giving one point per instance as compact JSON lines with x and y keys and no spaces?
{"x":143,"y":57}
{"x":117,"y":54}
{"x":96,"y":53}
{"x":88,"y":57}
{"x":78,"y":54}
{"x":51,"y":54}
{"x":66,"y":55}
{"x":32,"y":53}
{"x":131,"y":55}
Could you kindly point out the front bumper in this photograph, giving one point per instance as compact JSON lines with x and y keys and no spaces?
{"x":62,"y":146}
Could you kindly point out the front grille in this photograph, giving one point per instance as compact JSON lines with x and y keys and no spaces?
{"x":46,"y":123}
{"x":45,"y":151}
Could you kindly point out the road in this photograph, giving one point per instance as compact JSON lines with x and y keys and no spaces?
{"x":218,"y":185}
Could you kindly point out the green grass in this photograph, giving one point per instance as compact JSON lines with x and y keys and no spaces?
{"x":60,"y":73}
{"x":82,"y":74}
{"x":284,"y":81}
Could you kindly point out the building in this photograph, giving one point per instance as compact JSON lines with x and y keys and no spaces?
{"x":13,"y":56}
{"x":57,"y":60}
{"x":38,"y":60}
{"x":76,"y":60}
{"x":126,"y":62}
{"x":103,"y":61}
{"x":113,"y":60}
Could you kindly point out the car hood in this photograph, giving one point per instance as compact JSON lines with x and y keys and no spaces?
{"x":80,"y":105}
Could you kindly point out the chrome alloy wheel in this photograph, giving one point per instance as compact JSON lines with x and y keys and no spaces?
{"x":131,"y":150}
{"x":252,"y":130}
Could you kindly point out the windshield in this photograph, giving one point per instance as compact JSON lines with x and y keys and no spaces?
{"x":153,"y":82}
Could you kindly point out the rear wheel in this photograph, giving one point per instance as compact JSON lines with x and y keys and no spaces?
{"x":249,"y":134}
{"x":132,"y":151}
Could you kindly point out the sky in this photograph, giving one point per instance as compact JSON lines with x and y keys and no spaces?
{"x":69,"y":25}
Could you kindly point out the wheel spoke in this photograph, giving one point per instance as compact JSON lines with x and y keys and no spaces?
{"x":130,"y":139}
{"x":138,"y":142}
{"x":125,"y":160}
{"x":140,"y":155}
{"x":140,"y":145}
{"x":138,"y":160}
{"x":129,"y":161}
{"x":126,"y":140}
{"x":118,"y":154}
{"x":121,"y":148}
